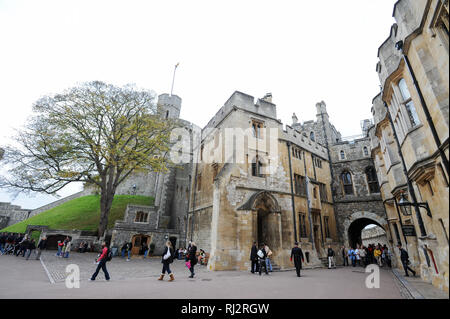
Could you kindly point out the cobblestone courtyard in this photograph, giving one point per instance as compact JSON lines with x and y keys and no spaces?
{"x":137,"y":279}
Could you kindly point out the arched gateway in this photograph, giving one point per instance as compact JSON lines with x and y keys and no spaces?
{"x":356,"y":222}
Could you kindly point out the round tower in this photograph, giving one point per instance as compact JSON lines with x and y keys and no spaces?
{"x":169,"y":105}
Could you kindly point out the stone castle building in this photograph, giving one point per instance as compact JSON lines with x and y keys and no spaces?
{"x":247,"y":177}
{"x":410,"y":136}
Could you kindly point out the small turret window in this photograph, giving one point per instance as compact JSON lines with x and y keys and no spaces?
{"x":311,"y":136}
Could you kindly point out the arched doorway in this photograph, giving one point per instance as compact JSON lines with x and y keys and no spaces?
{"x":138,"y":242}
{"x":356,"y":228}
{"x":267,"y":229}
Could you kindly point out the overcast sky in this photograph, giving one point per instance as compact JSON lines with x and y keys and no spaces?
{"x":302,"y":52}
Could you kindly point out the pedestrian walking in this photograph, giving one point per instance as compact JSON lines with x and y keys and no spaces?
{"x":254,"y":258}
{"x":101,"y":262}
{"x":297,"y":256}
{"x":192,"y":258}
{"x":387,"y":256}
{"x":67,"y":249}
{"x":269,"y":256}
{"x":128,"y":250}
{"x":344,"y":254}
{"x":30,"y":248}
{"x":404,"y":257}
{"x":166,"y":260}
{"x":363,"y":255}
{"x":262,"y":255}
{"x":331,"y":257}
{"x":377,"y":255}
{"x":41,"y":246}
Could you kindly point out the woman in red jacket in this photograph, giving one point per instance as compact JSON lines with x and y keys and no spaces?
{"x":101,"y":261}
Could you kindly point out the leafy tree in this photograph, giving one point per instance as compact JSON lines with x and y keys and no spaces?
{"x":94,"y":133}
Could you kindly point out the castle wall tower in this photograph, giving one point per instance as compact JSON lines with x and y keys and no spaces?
{"x":169,"y":105}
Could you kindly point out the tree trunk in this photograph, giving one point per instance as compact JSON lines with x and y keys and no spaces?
{"x":106,"y":199}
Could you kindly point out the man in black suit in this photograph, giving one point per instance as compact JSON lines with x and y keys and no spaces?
{"x":404,"y":257}
{"x":297,"y":254}
{"x":254,"y":258}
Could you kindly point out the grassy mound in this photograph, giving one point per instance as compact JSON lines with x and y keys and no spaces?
{"x":80,"y":213}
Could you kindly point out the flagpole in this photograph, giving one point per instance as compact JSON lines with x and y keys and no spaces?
{"x":173,"y":79}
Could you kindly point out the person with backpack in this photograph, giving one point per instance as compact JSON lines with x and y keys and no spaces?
{"x":104,"y":257}
{"x":192,"y":258}
{"x":297,"y":254}
{"x":262,"y":255}
{"x":166,"y":260}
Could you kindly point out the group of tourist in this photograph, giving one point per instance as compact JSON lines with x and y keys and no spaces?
{"x":363,"y":256}
{"x":64,"y":248}
{"x":261,"y":258}
{"x":18,"y":244}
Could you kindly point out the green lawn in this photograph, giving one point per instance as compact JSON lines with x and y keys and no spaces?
{"x":81,"y":213}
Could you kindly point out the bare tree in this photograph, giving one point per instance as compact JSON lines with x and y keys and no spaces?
{"x":94,"y":133}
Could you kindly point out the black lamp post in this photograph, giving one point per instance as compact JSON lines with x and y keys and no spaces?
{"x":406,"y":206}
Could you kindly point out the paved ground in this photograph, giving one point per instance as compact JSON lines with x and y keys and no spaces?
{"x":137,"y":279}
{"x":418,"y":289}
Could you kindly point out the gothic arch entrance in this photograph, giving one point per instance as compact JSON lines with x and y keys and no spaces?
{"x":267,"y":220}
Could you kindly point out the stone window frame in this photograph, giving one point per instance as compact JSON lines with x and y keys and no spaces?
{"x":342,"y":155}
{"x":257,"y":126}
{"x":257,"y":167}
{"x":372,"y":182}
{"x":312,"y":136}
{"x":326,"y":220}
{"x":440,"y":23}
{"x":302,"y":225}
{"x":141,"y":217}
{"x":349,"y":185}
{"x":299,"y":185}
{"x":407,"y":103}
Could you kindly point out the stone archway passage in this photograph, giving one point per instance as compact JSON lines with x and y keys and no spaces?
{"x":355,"y":230}
{"x":355,"y":223}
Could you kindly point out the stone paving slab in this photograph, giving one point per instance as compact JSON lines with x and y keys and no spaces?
{"x":137,"y":279}
{"x":419,"y":289}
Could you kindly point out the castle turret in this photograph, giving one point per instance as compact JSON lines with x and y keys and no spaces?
{"x":169,"y":105}
{"x":322,"y":114}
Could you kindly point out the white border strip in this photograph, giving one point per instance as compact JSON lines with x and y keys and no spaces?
{"x":46,"y":270}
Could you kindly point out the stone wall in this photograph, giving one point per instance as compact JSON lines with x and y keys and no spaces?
{"x":12,"y":214}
